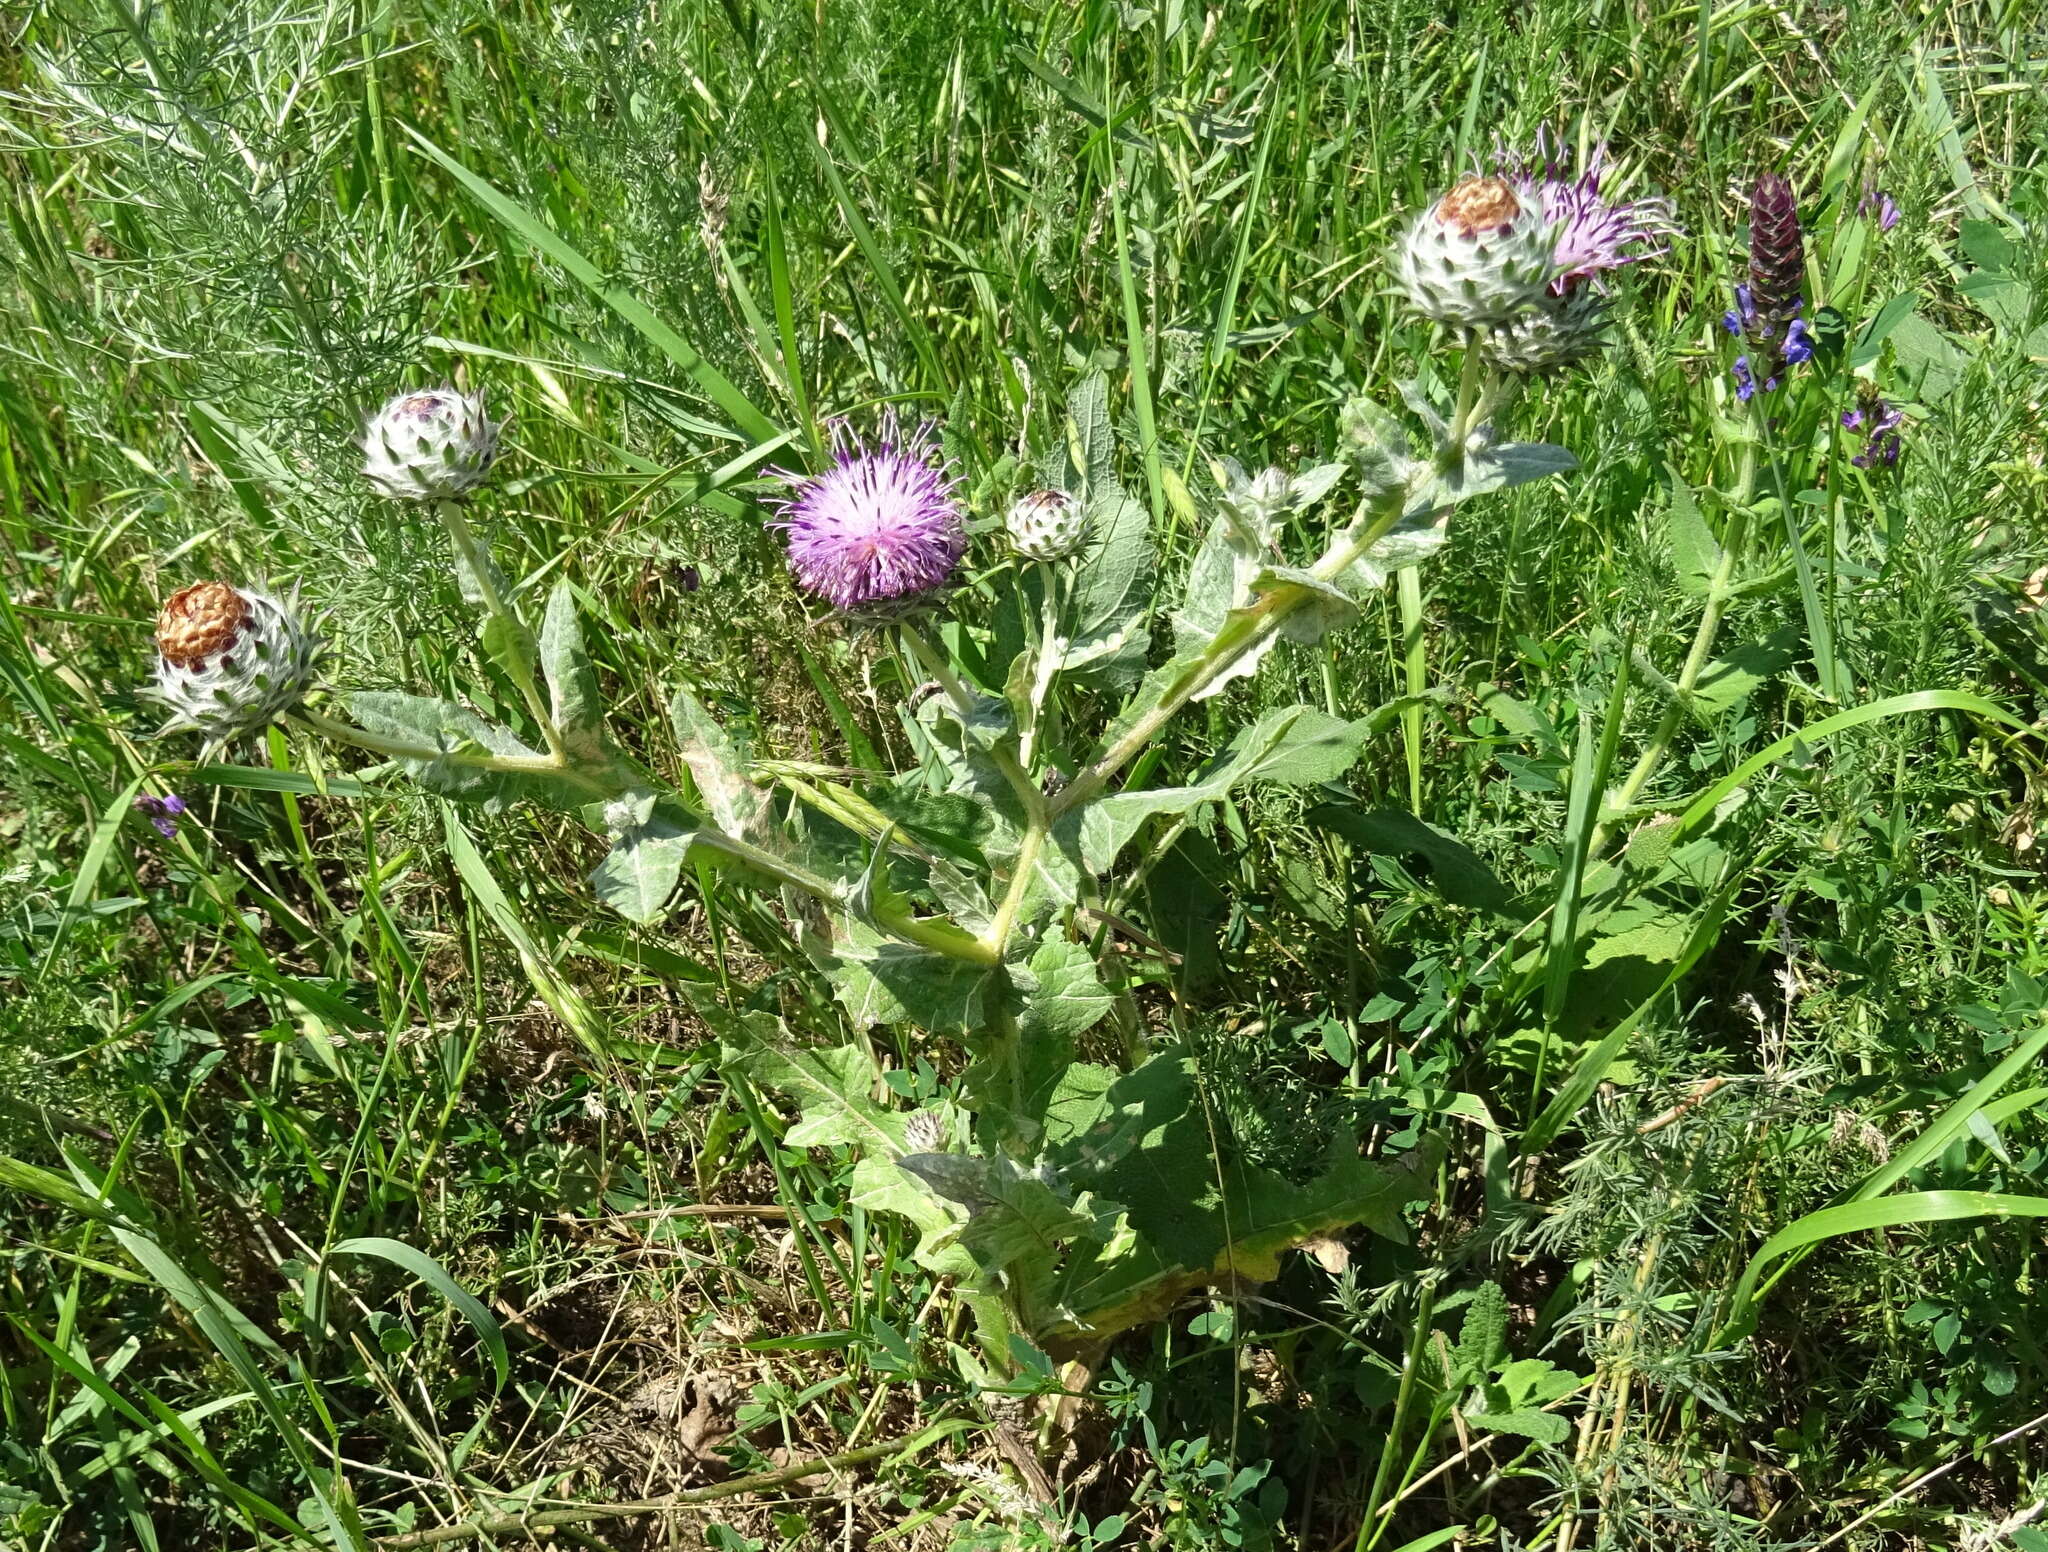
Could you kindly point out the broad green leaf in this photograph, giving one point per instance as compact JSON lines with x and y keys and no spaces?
{"x":1381,"y":449}
{"x":835,"y":1090}
{"x":639,"y":874}
{"x":1870,"y":343}
{"x":881,"y":981}
{"x":1327,"y":607}
{"x":1729,"y":680}
{"x":1450,"y":867}
{"x":1188,"y":1217}
{"x":572,"y":685}
{"x":2007,"y":302}
{"x":1063,"y":996}
{"x":718,"y":762}
{"x":446,"y":728}
{"x":1485,"y":470}
{"x":1695,"y":552}
{"x":1293,"y":746}
{"x":1933,"y":364}
{"x":1419,"y":534}
{"x":1526,"y":1423}
{"x":1482,"y":1340}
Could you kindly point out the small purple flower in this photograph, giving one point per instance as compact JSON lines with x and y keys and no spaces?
{"x":1877,"y":202}
{"x":1746,"y":385}
{"x":879,"y":526}
{"x":1798,"y":344}
{"x":1593,"y":234}
{"x":1742,"y":316}
{"x":163,"y":812}
{"x":1880,"y":423}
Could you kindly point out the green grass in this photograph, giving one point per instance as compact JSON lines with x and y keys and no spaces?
{"x":359,"y":1177}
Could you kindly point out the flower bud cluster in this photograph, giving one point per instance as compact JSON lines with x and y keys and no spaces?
{"x":1520,"y":256}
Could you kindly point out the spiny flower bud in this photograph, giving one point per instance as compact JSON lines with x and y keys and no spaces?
{"x":1557,"y":332}
{"x":1047,"y":525}
{"x":925,"y":1132}
{"x":1477,"y":257}
{"x":430,"y":446}
{"x":230,"y":661}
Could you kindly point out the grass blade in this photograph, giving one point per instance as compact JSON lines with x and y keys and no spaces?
{"x":749,"y":419}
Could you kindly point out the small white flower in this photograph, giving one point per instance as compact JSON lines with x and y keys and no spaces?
{"x":430,"y":446}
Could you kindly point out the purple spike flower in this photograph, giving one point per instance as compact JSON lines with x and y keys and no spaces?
{"x":879,"y":526}
{"x":1593,"y":234}
{"x":163,"y":812}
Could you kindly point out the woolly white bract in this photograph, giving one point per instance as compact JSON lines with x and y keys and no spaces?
{"x":430,"y":446}
{"x":1047,"y":525}
{"x":231,"y":661}
{"x":1477,"y":257}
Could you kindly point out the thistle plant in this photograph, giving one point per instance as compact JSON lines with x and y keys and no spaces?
{"x":1035,"y":1180}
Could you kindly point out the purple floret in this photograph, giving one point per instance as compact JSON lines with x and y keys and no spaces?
{"x":879,"y":526}
{"x":163,"y":812}
{"x":1880,"y":423}
{"x":1593,"y":234}
{"x":1876,"y":202}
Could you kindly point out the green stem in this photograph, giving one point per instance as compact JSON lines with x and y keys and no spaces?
{"x":478,"y":561}
{"x":1404,"y":1400}
{"x":997,"y":938}
{"x":1415,"y":663}
{"x":1468,"y":400}
{"x":1720,"y":593}
{"x":935,"y":664}
{"x":726,"y":850}
{"x":1474,"y":403}
{"x":1245,"y":631}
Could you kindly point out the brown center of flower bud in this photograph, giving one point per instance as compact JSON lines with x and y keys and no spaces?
{"x":421,"y":404}
{"x":1478,"y":205}
{"x":198,"y":621}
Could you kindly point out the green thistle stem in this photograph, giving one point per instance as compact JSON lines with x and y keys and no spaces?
{"x":1245,"y":631}
{"x":726,"y":850}
{"x":478,"y":560}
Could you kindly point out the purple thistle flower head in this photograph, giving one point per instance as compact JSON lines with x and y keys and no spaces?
{"x":879,"y":526}
{"x":1593,"y":234}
